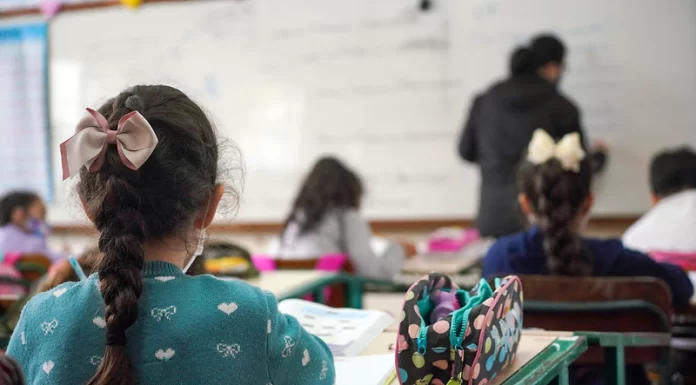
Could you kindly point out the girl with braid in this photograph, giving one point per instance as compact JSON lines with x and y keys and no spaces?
{"x":555,"y":194}
{"x":147,"y":163}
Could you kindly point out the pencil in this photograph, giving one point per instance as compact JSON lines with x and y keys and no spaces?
{"x":391,"y":378}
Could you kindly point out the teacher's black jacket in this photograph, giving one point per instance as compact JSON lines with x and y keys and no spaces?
{"x":499,"y":127}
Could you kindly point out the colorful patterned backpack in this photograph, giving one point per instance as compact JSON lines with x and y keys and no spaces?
{"x":451,"y":336}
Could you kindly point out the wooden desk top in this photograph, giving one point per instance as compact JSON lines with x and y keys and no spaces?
{"x":531,"y":344}
{"x":284,"y":282}
{"x":448,"y":263}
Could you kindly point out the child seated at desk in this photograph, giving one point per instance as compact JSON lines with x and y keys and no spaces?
{"x":671,"y":223}
{"x":24,"y":229}
{"x":148,"y":178}
{"x":555,"y":194}
{"x":324,"y":219}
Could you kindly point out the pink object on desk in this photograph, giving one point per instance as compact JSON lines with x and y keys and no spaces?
{"x":450,"y":241}
{"x":328,"y":262}
{"x":263,"y":262}
{"x":687,"y":260}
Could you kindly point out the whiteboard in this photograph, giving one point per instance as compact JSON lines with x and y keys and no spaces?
{"x":383,"y":86}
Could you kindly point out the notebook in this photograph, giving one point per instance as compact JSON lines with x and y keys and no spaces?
{"x":367,"y":370}
{"x":347,"y":332}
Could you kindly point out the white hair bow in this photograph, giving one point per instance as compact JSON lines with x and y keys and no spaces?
{"x":568,"y":150}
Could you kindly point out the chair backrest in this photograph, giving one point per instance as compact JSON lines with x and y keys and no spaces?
{"x":639,"y":304}
{"x":335,"y":296}
{"x":328,"y":262}
{"x":31,"y":266}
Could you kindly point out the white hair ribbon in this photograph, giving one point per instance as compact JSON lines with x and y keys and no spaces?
{"x":568,"y":150}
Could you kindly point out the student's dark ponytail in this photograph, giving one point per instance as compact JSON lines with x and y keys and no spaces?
{"x":557,"y":197}
{"x":159,"y":201}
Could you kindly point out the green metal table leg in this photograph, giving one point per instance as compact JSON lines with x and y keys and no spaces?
{"x":664,"y":369}
{"x":318,"y":295}
{"x":616,"y":366}
{"x":564,"y":376}
{"x":355,"y":293}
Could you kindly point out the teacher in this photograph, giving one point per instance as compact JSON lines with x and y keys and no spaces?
{"x":500,"y":125}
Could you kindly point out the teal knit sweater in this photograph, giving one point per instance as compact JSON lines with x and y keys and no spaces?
{"x":190,"y":330}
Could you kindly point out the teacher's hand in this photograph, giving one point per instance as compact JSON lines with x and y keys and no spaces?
{"x":600,"y":145}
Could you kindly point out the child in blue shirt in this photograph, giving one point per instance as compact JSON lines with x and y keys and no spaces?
{"x":148,"y":179}
{"x":555,"y":195}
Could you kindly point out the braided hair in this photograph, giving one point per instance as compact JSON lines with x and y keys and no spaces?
{"x":557,"y":197}
{"x":159,"y":200}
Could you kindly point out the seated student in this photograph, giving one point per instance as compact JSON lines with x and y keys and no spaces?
{"x":555,"y":194}
{"x":23,"y":221}
{"x":150,"y":186}
{"x":671,"y":224}
{"x":324,"y":219}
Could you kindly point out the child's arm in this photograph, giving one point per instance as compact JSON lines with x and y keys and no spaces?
{"x":357,"y":236}
{"x":295,"y":356}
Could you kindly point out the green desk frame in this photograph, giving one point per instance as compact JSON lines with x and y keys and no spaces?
{"x":551,"y":363}
{"x":315,"y":288}
{"x":614,"y":343}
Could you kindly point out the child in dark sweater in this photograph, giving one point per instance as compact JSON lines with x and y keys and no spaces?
{"x":555,"y":195}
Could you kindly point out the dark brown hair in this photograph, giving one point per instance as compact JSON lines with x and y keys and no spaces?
{"x":329,"y":185}
{"x":160,"y":200}
{"x":557,"y":197}
{"x":673,"y":171}
{"x":10,"y":372}
{"x":15,"y":200}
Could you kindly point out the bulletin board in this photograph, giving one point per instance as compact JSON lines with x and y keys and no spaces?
{"x":24,"y":129}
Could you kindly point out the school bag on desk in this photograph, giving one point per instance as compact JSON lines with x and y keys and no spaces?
{"x":450,"y":336}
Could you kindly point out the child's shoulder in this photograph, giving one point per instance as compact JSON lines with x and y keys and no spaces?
{"x":511,"y":244}
{"x":71,"y":294}
{"x":212,"y":288}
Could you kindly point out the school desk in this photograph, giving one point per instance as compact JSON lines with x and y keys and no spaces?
{"x":448,"y":263}
{"x":296,"y":283}
{"x":541,"y":357}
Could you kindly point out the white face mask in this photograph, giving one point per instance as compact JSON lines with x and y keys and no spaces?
{"x":200,"y":245}
{"x":198,"y":252}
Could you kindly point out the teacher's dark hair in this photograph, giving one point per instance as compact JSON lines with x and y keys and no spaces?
{"x":329,"y":185}
{"x":160,"y":200}
{"x":547,"y":49}
{"x":557,"y":196}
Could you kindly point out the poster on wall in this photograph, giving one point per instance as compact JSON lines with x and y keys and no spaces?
{"x":24,"y":128}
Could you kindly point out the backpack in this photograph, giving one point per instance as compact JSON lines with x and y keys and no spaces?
{"x":225,"y":259}
{"x":452,"y":336}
